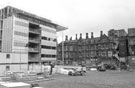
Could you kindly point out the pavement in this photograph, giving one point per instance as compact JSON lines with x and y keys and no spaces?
{"x":92,"y":79}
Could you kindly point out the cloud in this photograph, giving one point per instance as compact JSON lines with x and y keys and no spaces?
{"x":81,"y":16}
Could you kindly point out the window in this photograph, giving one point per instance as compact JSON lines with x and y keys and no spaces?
{"x":48,"y":47}
{"x":7,"y":68}
{"x":20,"y":33}
{"x":55,"y":40}
{"x":48,"y":30}
{"x":49,"y":39}
{"x":48,"y":56}
{"x":20,"y":44}
{"x":1,"y":24}
{"x":8,"y":56}
{"x":44,"y":38}
{"x":21,"y":23}
{"x":30,"y":18}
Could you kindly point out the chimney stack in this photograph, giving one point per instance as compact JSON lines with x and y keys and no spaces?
{"x":66,"y":38}
{"x":80,"y":35}
{"x":92,"y":35}
{"x":87,"y":36}
{"x":76,"y":36}
{"x":101,"y":33}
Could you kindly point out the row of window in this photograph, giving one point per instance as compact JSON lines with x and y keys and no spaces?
{"x":36,"y":20}
{"x":48,"y":47}
{"x":26,"y":35}
{"x":19,"y":23}
{"x":70,"y":48}
{"x":109,"y":54}
{"x":21,"y":33}
{"x":48,"y":30}
{"x":43,"y":55}
{"x":20,"y":44}
{"x":49,"y":39}
{"x":48,"y":56}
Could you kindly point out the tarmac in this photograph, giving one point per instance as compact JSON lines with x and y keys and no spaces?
{"x":93,"y":79}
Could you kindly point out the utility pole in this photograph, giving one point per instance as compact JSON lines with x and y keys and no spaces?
{"x":62,"y":49}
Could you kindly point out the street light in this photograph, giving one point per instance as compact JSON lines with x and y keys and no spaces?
{"x":62,"y":49}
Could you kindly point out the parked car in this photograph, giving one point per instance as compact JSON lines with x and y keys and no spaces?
{"x":76,"y":72}
{"x":35,"y":86}
{"x":113,"y":67}
{"x":101,"y":68}
{"x":110,"y":66}
{"x":123,"y":66}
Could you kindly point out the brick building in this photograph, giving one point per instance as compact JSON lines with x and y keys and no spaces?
{"x":131,"y":47}
{"x":90,"y":51}
{"x":114,"y":48}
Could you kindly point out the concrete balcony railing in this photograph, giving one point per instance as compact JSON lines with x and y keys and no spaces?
{"x":33,"y":49}
{"x":34,"y":40}
{"x":33,"y":59}
{"x":37,"y":31}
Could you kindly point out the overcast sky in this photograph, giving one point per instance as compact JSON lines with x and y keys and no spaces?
{"x":81,"y":16}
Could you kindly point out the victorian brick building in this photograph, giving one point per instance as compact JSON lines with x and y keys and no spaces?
{"x":110,"y":49}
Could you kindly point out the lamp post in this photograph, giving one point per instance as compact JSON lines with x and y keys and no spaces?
{"x":62,"y":49}
{"x":26,"y":51}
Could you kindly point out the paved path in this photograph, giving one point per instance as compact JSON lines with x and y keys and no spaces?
{"x":108,"y":79}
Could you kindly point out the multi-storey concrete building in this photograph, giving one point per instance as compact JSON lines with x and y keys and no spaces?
{"x":26,"y":39}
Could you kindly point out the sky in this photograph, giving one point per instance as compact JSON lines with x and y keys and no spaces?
{"x":81,"y":16}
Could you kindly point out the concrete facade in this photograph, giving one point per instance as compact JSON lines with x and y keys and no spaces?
{"x":27,"y":38}
{"x":13,"y":62}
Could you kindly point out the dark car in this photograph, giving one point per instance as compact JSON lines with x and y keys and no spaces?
{"x":101,"y":68}
{"x":34,"y":85}
{"x":107,"y":66}
{"x":123,"y":66}
{"x":110,"y":66}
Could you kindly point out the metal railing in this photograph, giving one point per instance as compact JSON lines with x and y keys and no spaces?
{"x":33,"y":49}
{"x":34,"y":40}
{"x":34,"y":30}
